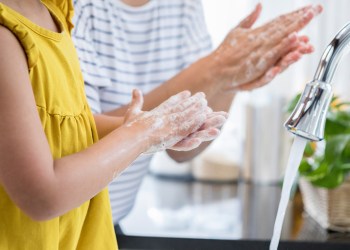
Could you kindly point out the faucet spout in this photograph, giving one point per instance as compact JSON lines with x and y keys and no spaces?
{"x":309,"y":116}
{"x":339,"y":46}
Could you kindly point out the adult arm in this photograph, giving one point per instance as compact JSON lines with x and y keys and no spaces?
{"x":247,"y":59}
{"x":105,"y":124}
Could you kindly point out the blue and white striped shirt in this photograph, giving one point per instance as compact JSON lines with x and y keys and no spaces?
{"x":122,"y":47}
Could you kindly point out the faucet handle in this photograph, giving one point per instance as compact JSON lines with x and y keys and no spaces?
{"x":309,"y":116}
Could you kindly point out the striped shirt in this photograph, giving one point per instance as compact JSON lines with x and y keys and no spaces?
{"x":121,"y":48}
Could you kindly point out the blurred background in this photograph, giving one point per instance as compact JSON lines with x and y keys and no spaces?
{"x":198,"y":199}
{"x":257,"y":117}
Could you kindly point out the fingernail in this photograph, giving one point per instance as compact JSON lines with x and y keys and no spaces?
{"x":294,"y":57}
{"x":186,"y":92}
{"x":318,"y":9}
{"x":258,"y":6}
{"x":309,"y":49}
{"x":200,"y":94}
{"x":272,"y":73}
{"x":304,"y":39}
{"x":306,"y":48}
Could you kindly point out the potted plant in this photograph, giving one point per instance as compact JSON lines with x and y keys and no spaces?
{"x":324,"y":170}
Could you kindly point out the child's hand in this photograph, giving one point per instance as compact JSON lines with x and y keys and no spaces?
{"x":207,"y":132}
{"x":135,"y":107}
{"x":181,"y":123}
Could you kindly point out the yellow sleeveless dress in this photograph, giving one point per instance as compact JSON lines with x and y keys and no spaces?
{"x":69,"y":126}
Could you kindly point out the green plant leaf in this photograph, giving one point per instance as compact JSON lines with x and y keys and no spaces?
{"x":345,"y":167}
{"x":345,"y":156}
{"x":334,"y":147}
{"x":304,"y":167}
{"x":320,"y":172}
{"x":331,"y":180}
{"x":291,"y":105}
{"x":309,"y":150}
{"x":334,"y":127}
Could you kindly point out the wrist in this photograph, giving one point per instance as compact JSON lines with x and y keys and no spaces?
{"x":141,"y":135}
{"x":217,"y":71}
{"x":220,"y":76}
{"x":134,"y":137}
{"x":210,"y":73}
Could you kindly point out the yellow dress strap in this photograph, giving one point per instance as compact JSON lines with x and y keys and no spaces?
{"x":66,"y":10}
{"x":9,"y":20}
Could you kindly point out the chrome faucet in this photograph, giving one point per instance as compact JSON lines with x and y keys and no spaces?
{"x":309,"y":116}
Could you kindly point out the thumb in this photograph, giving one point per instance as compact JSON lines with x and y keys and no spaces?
{"x":135,"y":105}
{"x":248,"y":22}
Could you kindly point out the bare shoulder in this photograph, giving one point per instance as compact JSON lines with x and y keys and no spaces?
{"x":11,"y":51}
{"x":5,"y":36}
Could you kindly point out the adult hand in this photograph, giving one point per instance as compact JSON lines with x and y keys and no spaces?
{"x":182,"y":122}
{"x":250,"y":58}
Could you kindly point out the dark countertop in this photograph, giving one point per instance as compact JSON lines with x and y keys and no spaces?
{"x":148,"y":243}
{"x":186,"y":214}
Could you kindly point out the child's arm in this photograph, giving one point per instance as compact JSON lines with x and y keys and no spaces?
{"x":44,"y":187}
{"x":106,"y":124}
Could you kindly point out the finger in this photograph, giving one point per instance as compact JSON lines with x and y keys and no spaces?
{"x":213,"y":114}
{"x":197,"y":100}
{"x":216,"y":121}
{"x":195,"y":139}
{"x":289,"y":59}
{"x":287,"y":19}
{"x":192,"y":124}
{"x":208,"y":134}
{"x":272,"y":56}
{"x":196,"y":107}
{"x":291,"y":23}
{"x":263,"y":80}
{"x":187,"y":121}
{"x":173,"y":100}
{"x":183,"y":114}
{"x":281,"y":22}
{"x":300,"y":44}
{"x":302,"y":21}
{"x":251,"y":19}
{"x":209,"y":110}
{"x":304,"y":39}
{"x":186,"y":144}
{"x":263,"y":59}
{"x":294,"y":56}
{"x":305,"y":48}
{"x":137,"y":100}
{"x":135,"y":104}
